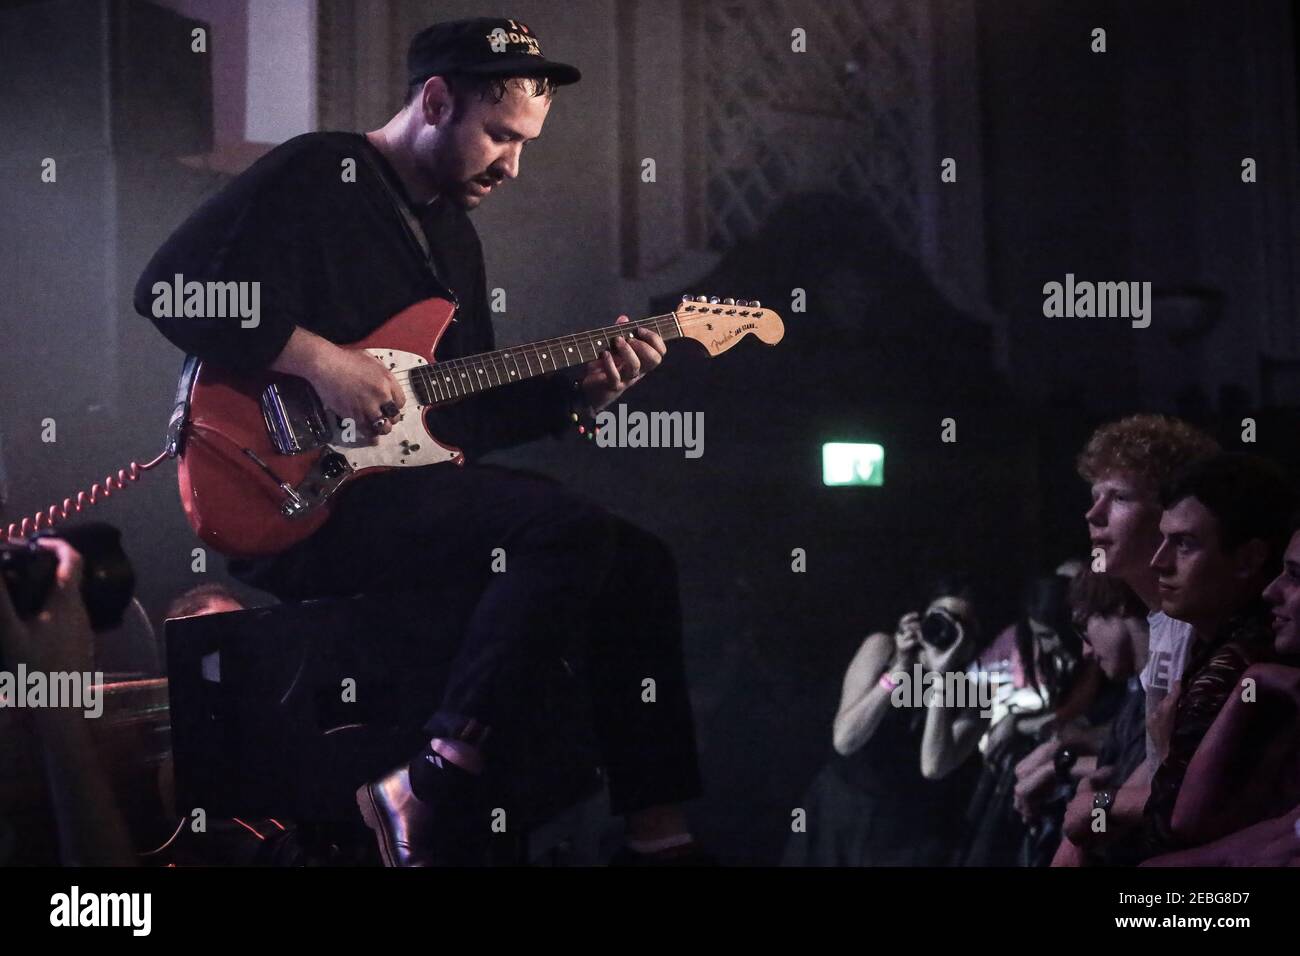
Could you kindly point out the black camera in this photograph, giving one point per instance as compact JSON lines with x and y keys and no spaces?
{"x":940,"y":629}
{"x":107,"y":582}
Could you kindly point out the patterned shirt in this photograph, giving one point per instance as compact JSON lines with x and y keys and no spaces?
{"x":1213,"y":670}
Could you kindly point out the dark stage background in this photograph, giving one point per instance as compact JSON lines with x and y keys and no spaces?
{"x":776,"y":171}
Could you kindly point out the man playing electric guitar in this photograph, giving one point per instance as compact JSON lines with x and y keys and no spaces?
{"x":318,"y":226}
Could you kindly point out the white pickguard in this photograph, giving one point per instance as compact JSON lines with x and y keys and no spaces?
{"x":389,"y":451}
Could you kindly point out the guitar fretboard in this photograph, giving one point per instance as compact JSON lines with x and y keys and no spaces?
{"x":456,"y":378}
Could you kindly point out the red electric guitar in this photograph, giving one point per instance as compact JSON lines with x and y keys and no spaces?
{"x":260,"y":457}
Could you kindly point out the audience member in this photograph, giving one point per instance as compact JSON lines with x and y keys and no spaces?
{"x":1224,"y":528}
{"x":1126,"y":463}
{"x":893,"y":792}
{"x":1113,"y":623}
{"x":58,"y":639}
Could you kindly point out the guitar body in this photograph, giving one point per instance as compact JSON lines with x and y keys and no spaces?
{"x":235,"y":504}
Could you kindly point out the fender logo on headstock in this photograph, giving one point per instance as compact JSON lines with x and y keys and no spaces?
{"x":731,"y":334}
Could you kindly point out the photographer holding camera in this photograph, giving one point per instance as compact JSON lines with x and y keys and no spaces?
{"x":57,"y":638}
{"x":904,"y":762}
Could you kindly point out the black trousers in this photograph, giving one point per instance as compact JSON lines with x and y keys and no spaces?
{"x":551,"y":572}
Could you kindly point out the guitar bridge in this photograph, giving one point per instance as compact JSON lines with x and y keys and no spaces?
{"x":294,"y":416}
{"x":331,"y":468}
{"x":314,"y":490}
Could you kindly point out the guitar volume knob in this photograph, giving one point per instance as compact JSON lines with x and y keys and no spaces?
{"x":333,"y":465}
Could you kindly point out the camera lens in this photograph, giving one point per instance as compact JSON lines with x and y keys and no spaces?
{"x":940,"y":630}
{"x":107,"y":581}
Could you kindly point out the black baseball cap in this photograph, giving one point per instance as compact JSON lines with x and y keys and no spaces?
{"x":483,"y":46}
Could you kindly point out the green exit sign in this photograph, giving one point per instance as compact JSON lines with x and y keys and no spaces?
{"x":848,"y":463}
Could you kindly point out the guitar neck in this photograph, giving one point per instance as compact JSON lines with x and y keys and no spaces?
{"x":459,"y":377}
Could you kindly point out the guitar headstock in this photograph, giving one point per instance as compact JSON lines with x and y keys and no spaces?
{"x":718,"y":324}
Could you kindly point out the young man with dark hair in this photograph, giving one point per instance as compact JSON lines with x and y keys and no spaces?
{"x":1283,"y":596}
{"x":322,"y":224}
{"x":1224,"y":528}
{"x":1237,"y":805}
{"x":1113,"y":624}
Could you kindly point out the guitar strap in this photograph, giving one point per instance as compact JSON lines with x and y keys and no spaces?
{"x":413,"y":228}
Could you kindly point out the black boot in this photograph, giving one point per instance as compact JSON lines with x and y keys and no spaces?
{"x":453,"y":828}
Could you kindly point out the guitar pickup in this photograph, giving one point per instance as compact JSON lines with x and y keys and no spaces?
{"x":294,"y":416}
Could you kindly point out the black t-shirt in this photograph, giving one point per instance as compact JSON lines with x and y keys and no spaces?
{"x":331,"y":254}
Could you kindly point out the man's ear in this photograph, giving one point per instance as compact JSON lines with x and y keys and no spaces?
{"x":435,"y":101}
{"x":1250,"y":558}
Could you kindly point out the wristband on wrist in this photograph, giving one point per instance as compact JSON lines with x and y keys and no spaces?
{"x":580,"y":413}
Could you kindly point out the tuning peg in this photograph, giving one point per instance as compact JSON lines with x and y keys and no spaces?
{"x":688,"y":298}
{"x":714,"y":300}
{"x":753,"y":303}
{"x":728,"y":301}
{"x":701,"y":298}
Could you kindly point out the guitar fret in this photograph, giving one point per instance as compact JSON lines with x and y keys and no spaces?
{"x":511,"y":374}
{"x":555,"y":347}
{"x":430,"y":383}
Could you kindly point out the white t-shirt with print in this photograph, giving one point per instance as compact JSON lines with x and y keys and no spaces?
{"x":1167,"y":659}
{"x":1167,"y":655}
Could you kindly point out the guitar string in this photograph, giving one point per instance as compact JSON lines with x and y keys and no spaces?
{"x":457,"y":382}
{"x":659,"y":322}
{"x":463,"y":363}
